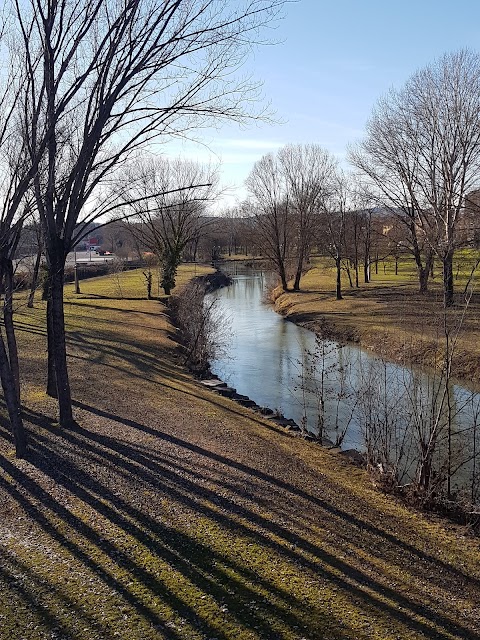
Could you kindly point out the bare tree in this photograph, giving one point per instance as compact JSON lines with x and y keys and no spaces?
{"x":289,"y":190}
{"x":386,"y":157}
{"x":334,"y":223}
{"x":273,"y":213}
{"x":446,"y":97}
{"x":169,"y":200}
{"x":16,"y":173}
{"x":423,"y":153}
{"x":309,"y":174}
{"x":359,"y":229}
{"x":101,"y":80}
{"x":14,"y":211}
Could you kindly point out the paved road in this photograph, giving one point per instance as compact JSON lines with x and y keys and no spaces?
{"x":82,"y":257}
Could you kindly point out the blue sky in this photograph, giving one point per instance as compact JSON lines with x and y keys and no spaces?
{"x":332,"y":61}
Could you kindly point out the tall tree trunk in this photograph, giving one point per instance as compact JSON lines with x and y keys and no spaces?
{"x":366,"y":270}
{"x":51,"y":377}
{"x":349,"y":274}
{"x":9,"y":328}
{"x":298,"y":274}
{"x":423,"y":279}
{"x":12,"y":402}
{"x":338,"y":264}
{"x":33,"y":286}
{"x":59,"y":343}
{"x":447,"y":264}
{"x":10,"y":384}
{"x":282,"y":274}
{"x":296,"y":283}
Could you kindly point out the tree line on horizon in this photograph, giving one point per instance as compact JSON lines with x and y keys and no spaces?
{"x":415,"y":180}
{"x":419,"y":162}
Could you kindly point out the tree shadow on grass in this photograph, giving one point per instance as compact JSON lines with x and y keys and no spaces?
{"x":101,"y":307}
{"x":295,"y":492}
{"x":236,"y":591}
{"x":104,"y":523}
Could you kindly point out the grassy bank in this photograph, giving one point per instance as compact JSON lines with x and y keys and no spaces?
{"x":389,"y":316}
{"x":170,"y":512}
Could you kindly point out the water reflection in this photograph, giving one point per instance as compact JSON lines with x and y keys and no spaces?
{"x":354,"y":398}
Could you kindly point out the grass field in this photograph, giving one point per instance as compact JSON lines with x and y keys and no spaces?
{"x":389,"y":315}
{"x":170,"y":512}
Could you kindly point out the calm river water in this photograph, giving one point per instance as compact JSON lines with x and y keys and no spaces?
{"x":284,"y":367}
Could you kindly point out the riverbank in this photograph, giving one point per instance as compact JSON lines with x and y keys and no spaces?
{"x":388,"y":317}
{"x":171,"y":512}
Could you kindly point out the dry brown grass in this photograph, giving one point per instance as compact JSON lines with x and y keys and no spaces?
{"x":170,"y":512}
{"x":388,"y":316}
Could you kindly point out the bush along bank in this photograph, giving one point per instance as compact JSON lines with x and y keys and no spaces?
{"x":201,"y":329}
{"x":427,"y":428}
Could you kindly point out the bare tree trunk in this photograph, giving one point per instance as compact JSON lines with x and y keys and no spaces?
{"x":366,"y":250}
{"x":9,"y":328}
{"x":283,"y":275}
{"x":349,"y":274}
{"x":12,"y":402}
{"x":59,"y":344}
{"x":366,"y":270}
{"x":9,"y":372}
{"x":357,"y":284}
{"x":51,"y":377}
{"x":447,"y":264}
{"x":338,"y":265}
{"x":298,"y":274}
{"x":423,"y":270}
{"x":33,"y":286}
{"x":60,"y":351}
{"x":423,"y":279}
{"x":9,"y":380}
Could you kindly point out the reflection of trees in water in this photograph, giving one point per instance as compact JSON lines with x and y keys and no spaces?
{"x":415,"y":427}
{"x":410,"y":424}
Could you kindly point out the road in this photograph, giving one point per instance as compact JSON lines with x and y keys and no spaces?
{"x":25,"y":264}
{"x":82,"y":257}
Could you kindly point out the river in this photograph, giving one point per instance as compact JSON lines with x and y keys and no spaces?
{"x":358,"y":400}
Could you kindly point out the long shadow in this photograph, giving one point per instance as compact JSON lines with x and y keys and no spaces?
{"x":26,"y":328}
{"x":101,"y":307}
{"x":193,"y":560}
{"x":197,"y":498}
{"x":149,"y":367}
{"x":187,"y":555}
{"x":11,"y":568}
{"x":95,"y":538}
{"x":295,"y":491}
